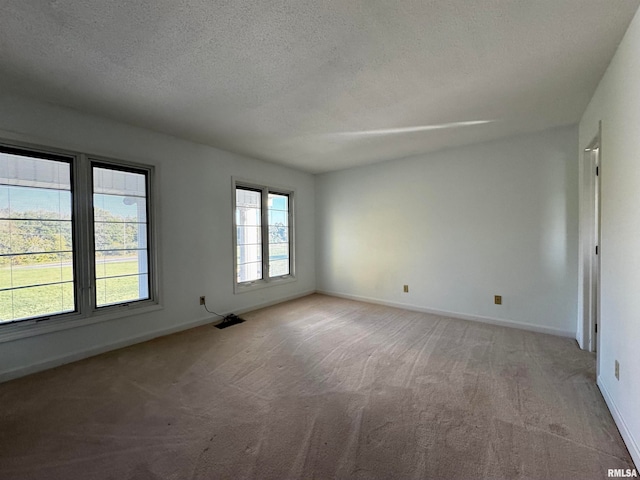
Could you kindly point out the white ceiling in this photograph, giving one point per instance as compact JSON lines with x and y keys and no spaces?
{"x":297,"y":82}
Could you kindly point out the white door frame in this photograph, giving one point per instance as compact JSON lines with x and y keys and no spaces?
{"x":589,"y":292}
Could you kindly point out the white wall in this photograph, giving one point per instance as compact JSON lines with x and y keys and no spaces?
{"x":195,"y":228}
{"x":617,"y":103}
{"x":459,"y":226}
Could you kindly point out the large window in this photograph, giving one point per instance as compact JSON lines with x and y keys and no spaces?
{"x":75,"y":235}
{"x":36,"y":240}
{"x":120,"y":235}
{"x":263,"y":235}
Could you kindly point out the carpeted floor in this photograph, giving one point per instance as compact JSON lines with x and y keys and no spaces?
{"x":320,"y":388}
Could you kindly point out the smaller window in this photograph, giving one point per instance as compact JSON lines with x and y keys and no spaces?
{"x":279,"y":254}
{"x":120,"y":231}
{"x":263,"y":235}
{"x":249,"y":234}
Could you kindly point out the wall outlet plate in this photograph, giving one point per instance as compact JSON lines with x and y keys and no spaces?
{"x":617,"y":372}
{"x":202,"y":300}
{"x":497,"y":299}
{"x":406,"y":289}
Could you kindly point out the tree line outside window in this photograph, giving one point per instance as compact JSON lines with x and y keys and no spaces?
{"x":74,"y":234}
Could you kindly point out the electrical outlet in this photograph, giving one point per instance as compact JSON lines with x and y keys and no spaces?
{"x":617,"y":370}
{"x":406,"y":289}
{"x":497,"y":299}
{"x":202,"y":300}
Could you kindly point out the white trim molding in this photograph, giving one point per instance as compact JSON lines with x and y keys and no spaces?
{"x":626,"y":434}
{"x":125,"y":342}
{"x":462,"y":316}
{"x":266,"y":280}
{"x":86,"y":310}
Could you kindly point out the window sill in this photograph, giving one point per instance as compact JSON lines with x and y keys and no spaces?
{"x":32,"y":328}
{"x":259,"y":284}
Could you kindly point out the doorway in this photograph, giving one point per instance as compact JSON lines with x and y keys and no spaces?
{"x":590,"y":242}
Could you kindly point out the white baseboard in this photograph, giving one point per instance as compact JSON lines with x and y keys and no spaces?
{"x":463,"y":316}
{"x":629,"y":441}
{"x":97,"y":350}
{"x":107,"y":347}
{"x":270,"y":303}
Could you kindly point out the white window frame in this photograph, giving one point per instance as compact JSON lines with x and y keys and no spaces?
{"x":87,"y":312}
{"x":265,"y":281}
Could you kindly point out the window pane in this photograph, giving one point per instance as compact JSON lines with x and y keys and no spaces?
{"x":279,"y":267}
{"x":36,"y":241}
{"x":249,"y":253}
{"x":248,"y":235}
{"x":32,"y":301}
{"x":249,"y":272}
{"x":54,"y":204}
{"x":109,"y":207}
{"x":6,"y":305}
{"x":279,"y":248}
{"x":278,"y":234}
{"x":248,"y":199}
{"x":38,"y":269}
{"x":121,"y":262}
{"x":248,"y":216}
{"x":120,"y":235}
{"x":278,"y":202}
{"x":113,"y":290}
{"x":278,"y":217}
{"x":25,"y":170}
{"x":31,"y":236}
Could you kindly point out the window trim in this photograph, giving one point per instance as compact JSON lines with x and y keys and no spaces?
{"x":94,"y":160}
{"x":86,"y":312}
{"x":265,"y":281}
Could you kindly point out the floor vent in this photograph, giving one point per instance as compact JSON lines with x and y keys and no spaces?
{"x":229,"y":321}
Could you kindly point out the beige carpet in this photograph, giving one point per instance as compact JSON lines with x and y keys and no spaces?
{"x":317,"y":388}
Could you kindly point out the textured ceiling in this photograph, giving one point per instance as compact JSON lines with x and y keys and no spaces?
{"x":298,"y":82}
